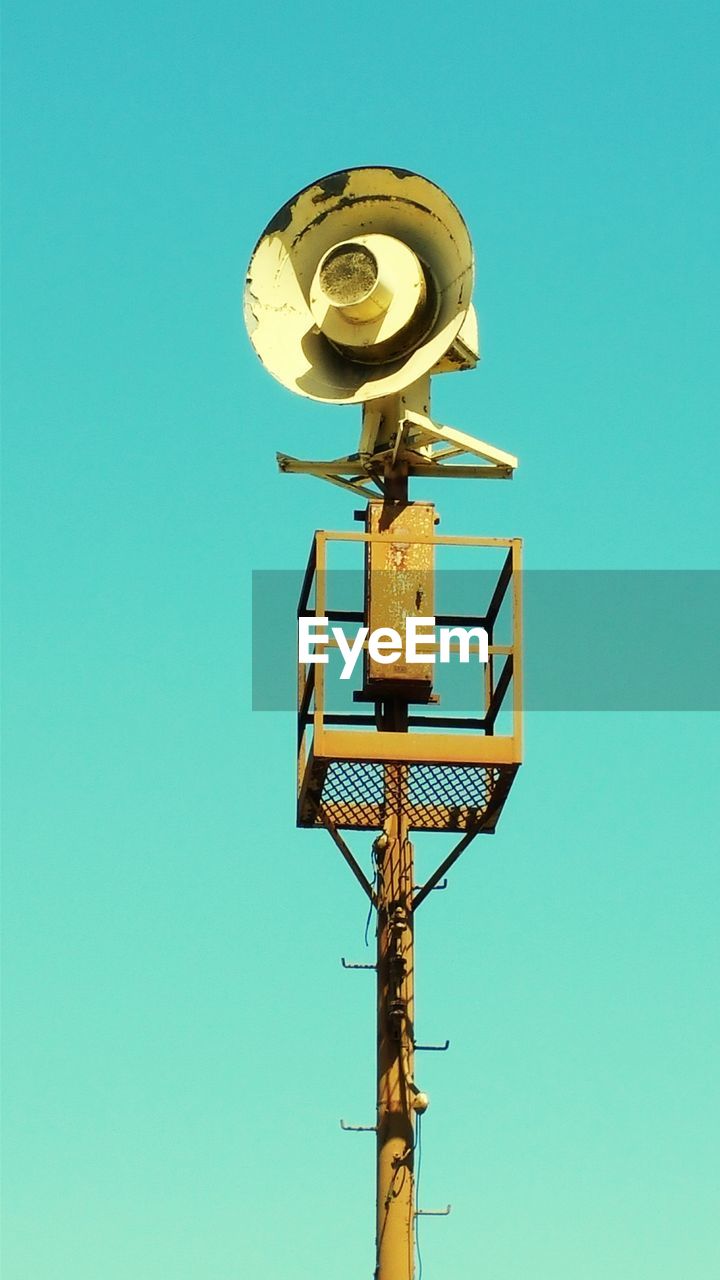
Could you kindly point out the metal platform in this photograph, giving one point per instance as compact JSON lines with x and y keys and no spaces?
{"x":359,"y":795}
{"x":446,"y":773}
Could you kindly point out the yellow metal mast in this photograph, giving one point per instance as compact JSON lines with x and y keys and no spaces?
{"x":358,"y":291}
{"x":397,"y":1094}
{"x":395,"y":1242}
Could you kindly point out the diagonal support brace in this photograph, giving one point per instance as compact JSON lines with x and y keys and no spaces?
{"x":350,"y":859}
{"x":452,"y":857}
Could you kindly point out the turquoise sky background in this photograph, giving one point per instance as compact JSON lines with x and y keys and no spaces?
{"x":180,"y":1041}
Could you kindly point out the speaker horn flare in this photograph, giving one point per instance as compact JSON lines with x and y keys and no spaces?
{"x":359,"y":285}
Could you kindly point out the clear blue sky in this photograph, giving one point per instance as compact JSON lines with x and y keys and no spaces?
{"x":180,"y":1039}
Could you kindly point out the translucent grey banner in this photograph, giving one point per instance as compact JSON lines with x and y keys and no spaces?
{"x":593,"y":640}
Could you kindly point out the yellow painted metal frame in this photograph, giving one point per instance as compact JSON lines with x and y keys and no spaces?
{"x":473,"y":748}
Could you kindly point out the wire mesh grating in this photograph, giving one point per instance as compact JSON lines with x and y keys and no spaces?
{"x":434,"y":797}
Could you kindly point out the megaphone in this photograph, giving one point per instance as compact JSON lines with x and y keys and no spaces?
{"x":361,"y":285}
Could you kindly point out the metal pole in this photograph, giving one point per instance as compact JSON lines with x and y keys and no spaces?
{"x":395,"y":1239}
{"x":395,"y":982}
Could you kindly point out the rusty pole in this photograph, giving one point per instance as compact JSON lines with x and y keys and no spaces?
{"x":395,"y":981}
{"x":395,"y":1239}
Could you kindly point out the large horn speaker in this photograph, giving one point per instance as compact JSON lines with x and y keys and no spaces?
{"x":360,"y":285}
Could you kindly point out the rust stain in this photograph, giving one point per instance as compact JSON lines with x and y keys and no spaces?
{"x":333,"y":185}
{"x":346,"y":202}
{"x":282,"y":218}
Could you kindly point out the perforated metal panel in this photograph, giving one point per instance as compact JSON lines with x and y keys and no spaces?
{"x":435,"y":797}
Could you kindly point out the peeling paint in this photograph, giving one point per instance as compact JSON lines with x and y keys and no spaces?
{"x":333,"y":185}
{"x":346,"y":202}
{"x":282,"y":218}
